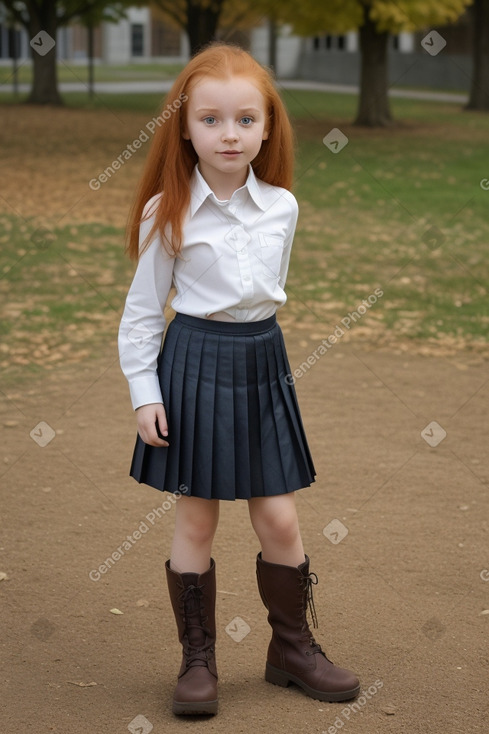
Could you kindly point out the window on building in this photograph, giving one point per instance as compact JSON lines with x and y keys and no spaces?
{"x":10,"y":40}
{"x":137,"y":39}
{"x":329,"y":42}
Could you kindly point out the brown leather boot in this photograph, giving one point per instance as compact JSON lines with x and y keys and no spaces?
{"x":193,"y":598}
{"x":293,"y":654}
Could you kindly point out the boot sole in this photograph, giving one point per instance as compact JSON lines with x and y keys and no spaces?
{"x":194,"y":708}
{"x":282,"y":678}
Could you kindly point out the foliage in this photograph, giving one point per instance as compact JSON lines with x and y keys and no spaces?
{"x":234,"y":14}
{"x":66,"y":10}
{"x":339,"y":16}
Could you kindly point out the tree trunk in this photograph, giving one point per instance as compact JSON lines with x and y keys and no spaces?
{"x":373,"y":106}
{"x":45,"y":77}
{"x":479,"y":88}
{"x":272,"y":43}
{"x":202,"y":23}
{"x":91,"y":76}
{"x":14,"y":38}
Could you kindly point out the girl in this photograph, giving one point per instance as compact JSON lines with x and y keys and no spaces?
{"x":217,"y":419}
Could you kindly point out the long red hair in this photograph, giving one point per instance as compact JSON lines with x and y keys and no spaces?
{"x":171,"y":158}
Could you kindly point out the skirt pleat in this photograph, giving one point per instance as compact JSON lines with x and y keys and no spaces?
{"x":222,"y":414}
{"x":282,"y":424}
{"x":234,"y":424}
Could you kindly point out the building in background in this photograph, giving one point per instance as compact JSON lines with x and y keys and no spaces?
{"x":145,"y":36}
{"x":336,"y":59}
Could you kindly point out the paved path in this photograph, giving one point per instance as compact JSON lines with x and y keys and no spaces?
{"x":141,"y":87}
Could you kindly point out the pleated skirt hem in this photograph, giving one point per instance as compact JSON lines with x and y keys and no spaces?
{"x":234,"y":425}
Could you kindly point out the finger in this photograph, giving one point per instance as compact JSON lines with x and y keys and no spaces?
{"x":161,"y":419}
{"x":150,"y":436}
{"x":157,"y":442}
{"x":151,"y":440}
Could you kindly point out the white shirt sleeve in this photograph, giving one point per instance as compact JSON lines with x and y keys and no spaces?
{"x":143,"y":320}
{"x":284,"y":265}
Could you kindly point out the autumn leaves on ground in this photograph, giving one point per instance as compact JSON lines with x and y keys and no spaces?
{"x":401,"y":209}
{"x":395,"y":410}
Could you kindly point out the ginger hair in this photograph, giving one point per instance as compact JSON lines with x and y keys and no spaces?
{"x":171,"y":158}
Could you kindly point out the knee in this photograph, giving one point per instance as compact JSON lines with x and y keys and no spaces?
{"x":199,"y":528}
{"x":280,"y":527}
{"x":199,"y":531}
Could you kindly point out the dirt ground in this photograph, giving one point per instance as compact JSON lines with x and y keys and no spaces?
{"x":396,"y":528}
{"x":402,"y":599}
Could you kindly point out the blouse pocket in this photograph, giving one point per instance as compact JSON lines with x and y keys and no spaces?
{"x":271,"y":250}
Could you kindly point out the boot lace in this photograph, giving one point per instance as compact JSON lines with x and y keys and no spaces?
{"x":191,"y":601}
{"x":308,"y":603}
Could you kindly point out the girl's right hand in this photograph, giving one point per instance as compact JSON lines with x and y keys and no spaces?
{"x":147,"y":417}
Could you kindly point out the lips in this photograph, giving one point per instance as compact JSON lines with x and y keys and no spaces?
{"x":230,"y":152}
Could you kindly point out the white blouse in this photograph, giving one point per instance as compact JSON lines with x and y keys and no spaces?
{"x":233,"y":266}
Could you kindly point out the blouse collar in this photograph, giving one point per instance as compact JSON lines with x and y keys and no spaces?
{"x":200,"y":190}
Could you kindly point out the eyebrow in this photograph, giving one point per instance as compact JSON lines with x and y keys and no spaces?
{"x":216,"y":109}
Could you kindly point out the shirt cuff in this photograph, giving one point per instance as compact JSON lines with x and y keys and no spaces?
{"x":145,"y":390}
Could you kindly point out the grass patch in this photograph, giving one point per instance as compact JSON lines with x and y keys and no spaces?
{"x":63,"y":293}
{"x":400,"y":210}
{"x":69,"y":72}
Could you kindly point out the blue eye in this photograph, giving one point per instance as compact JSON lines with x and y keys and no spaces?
{"x":249,"y":120}
{"x":206,"y":120}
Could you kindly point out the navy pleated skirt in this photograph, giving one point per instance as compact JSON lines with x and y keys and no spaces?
{"x":234,"y":424}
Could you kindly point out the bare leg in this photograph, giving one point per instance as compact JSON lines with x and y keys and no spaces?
{"x":275,"y":521}
{"x":195,"y":526}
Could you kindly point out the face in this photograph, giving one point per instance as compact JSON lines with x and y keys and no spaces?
{"x":226,"y":122}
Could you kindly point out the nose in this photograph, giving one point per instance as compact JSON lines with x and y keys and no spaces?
{"x":229,"y":132}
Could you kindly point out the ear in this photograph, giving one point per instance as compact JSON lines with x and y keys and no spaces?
{"x":185,"y":134}
{"x":265,"y":135}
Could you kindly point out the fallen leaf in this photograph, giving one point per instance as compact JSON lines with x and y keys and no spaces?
{"x":389,"y":710}
{"x":142,"y":603}
{"x":82,"y":684}
{"x":3,"y":576}
{"x":486,"y":611}
{"x":116,"y":611}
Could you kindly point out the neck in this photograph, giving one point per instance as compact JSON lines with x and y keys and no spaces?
{"x":224,"y":184}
